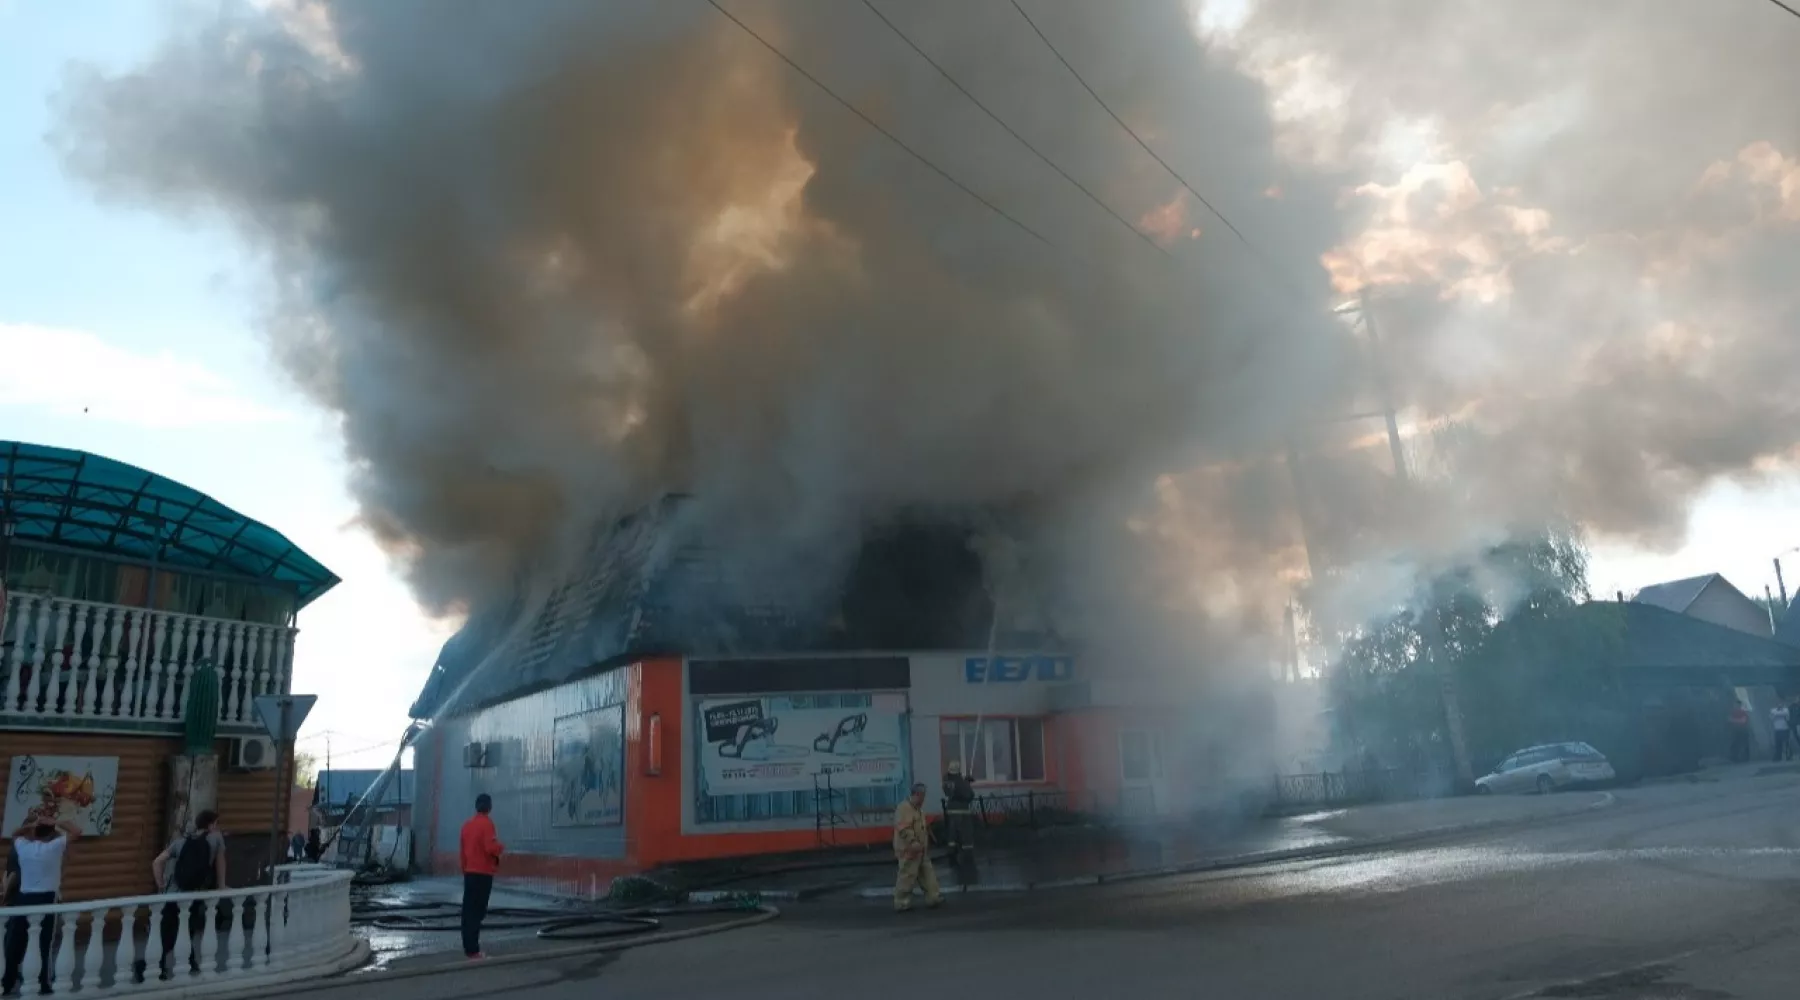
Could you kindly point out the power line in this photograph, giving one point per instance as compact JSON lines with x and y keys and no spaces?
{"x":1135,"y":231}
{"x":353,"y":751}
{"x":1210,"y":207}
{"x":872,"y":123}
{"x":1784,"y":6}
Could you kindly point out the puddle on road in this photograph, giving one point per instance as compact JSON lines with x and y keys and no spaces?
{"x":1398,"y":871}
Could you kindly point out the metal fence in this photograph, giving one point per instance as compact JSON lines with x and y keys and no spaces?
{"x":1034,"y":809}
{"x":1348,"y":787}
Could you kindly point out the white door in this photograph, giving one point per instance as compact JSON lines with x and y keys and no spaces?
{"x":1143,"y":785}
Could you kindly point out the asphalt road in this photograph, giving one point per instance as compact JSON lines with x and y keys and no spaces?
{"x":1677,"y":891}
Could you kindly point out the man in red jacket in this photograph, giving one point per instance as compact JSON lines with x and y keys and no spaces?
{"x":481,"y":850}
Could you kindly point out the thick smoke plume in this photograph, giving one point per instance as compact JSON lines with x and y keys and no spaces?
{"x":552,"y":261}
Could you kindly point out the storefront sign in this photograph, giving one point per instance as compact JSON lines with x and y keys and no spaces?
{"x":782,"y":744}
{"x":78,"y":790}
{"x":589,"y":763}
{"x":1017,"y":669}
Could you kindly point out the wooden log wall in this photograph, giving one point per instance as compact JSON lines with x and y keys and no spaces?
{"x":119,"y":864}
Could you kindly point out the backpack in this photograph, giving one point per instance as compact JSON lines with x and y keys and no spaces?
{"x":194,"y":865}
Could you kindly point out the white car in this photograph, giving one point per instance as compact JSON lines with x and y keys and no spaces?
{"x":1546,"y":768}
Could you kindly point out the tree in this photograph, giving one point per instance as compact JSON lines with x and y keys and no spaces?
{"x":306,"y":769}
{"x":1511,"y":622}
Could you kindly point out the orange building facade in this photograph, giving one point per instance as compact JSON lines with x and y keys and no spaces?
{"x":667,"y":760}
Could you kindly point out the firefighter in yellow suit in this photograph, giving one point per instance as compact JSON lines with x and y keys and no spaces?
{"x":912,"y":845}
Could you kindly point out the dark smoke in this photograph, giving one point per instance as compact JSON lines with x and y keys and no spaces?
{"x":551,"y":262}
{"x":551,"y":267}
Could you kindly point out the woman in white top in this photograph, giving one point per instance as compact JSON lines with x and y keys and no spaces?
{"x":40,"y":848}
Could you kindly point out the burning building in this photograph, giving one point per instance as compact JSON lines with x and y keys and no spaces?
{"x":650,"y":710}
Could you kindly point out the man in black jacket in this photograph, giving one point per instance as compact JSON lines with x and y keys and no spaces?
{"x":959,"y":815}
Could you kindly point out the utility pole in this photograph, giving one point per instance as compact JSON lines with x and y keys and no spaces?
{"x":1431,"y":627}
{"x":1779,"y":582}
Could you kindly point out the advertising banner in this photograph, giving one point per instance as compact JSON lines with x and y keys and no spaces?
{"x":589,"y":763}
{"x":780,"y":743}
{"x":77,"y":790}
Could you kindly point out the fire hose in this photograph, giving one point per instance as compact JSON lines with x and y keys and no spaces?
{"x":553,"y":924}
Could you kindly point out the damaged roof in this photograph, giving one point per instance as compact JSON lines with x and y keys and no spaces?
{"x":652,"y":586}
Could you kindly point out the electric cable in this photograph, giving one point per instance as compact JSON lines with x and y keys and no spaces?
{"x":872,"y":123}
{"x":1784,"y":6}
{"x":1275,"y":270}
{"x":903,"y":36}
{"x":1235,"y":231}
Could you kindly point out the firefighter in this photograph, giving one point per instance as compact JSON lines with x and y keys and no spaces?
{"x":912,"y":846}
{"x":959,"y":816}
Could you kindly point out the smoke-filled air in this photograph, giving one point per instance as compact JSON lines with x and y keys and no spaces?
{"x":551,"y":261}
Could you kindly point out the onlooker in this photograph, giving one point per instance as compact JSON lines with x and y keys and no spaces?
{"x":1739,"y":720}
{"x":297,"y":847}
{"x":481,"y":850}
{"x":1778,"y":721}
{"x":39,"y":848}
{"x":199,"y":866}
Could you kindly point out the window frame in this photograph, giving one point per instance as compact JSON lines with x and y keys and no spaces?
{"x":946,"y":722}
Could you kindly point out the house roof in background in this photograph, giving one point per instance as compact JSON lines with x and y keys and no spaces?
{"x":1655,"y":638}
{"x":1676,"y":595}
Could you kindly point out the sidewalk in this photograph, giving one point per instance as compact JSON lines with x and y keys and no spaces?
{"x":431,"y":904}
{"x":1724,"y":771}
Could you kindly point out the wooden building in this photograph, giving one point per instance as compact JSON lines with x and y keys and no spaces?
{"x":116,"y":586}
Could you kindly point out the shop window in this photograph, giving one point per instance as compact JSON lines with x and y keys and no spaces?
{"x":1005,"y":749}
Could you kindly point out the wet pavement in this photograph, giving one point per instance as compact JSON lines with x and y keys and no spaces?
{"x":1686,"y":890}
{"x":416,"y":924}
{"x":1020,"y":859}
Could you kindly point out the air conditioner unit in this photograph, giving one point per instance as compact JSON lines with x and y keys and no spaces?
{"x":476,"y":755}
{"x":252,"y":753}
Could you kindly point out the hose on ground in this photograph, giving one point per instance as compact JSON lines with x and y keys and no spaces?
{"x":552,"y":924}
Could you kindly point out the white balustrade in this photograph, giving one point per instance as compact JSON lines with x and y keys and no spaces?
{"x":83,"y":660}
{"x":117,"y":946}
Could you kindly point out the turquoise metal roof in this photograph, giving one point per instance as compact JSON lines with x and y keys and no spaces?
{"x":83,"y":501}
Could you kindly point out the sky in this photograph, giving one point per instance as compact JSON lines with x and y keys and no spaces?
{"x":135,"y":336}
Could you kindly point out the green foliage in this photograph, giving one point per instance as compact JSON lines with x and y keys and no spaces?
{"x":306,"y":769}
{"x":635,"y":889}
{"x":1530,"y":656}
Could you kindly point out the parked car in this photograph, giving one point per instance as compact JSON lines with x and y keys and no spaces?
{"x":1546,"y":768}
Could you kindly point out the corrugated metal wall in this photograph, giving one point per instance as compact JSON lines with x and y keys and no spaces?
{"x":522,"y":772}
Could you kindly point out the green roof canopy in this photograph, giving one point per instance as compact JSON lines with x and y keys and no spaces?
{"x":84,"y":501}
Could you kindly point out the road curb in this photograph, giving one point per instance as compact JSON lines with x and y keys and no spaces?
{"x":1606,"y":800}
{"x":375,"y":979}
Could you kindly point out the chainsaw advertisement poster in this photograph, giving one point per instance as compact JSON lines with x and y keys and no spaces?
{"x":779,"y":744}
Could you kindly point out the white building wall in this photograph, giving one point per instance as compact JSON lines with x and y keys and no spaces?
{"x":961,"y":684}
